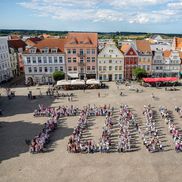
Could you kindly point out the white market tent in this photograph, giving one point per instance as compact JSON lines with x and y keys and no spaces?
{"x":63,"y":82}
{"x":93,"y":82}
{"x":77,"y":82}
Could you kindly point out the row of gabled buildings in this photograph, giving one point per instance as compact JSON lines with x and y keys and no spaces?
{"x":79,"y":55}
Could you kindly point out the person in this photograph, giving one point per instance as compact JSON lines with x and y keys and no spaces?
{"x":153,"y":96}
{"x":121,"y":93}
{"x":40,"y":93}
{"x":99,"y":94}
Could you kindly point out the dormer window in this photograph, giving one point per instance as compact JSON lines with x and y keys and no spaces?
{"x":45,"y":50}
{"x":54,"y":50}
{"x":32,"y":50}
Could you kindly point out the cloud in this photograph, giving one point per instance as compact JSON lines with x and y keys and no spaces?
{"x":151,"y":11}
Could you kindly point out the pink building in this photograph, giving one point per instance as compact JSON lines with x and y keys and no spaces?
{"x":81,"y":55}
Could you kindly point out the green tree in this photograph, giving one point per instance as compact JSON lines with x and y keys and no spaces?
{"x":58,"y":75}
{"x":139,"y":73}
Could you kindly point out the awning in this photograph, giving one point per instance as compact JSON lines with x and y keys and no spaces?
{"x":77,"y":82}
{"x":63,"y":82}
{"x":162,"y":79}
{"x":93,"y":82}
{"x":73,"y":75}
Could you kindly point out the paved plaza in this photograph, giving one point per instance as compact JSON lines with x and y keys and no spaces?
{"x":18,"y":124}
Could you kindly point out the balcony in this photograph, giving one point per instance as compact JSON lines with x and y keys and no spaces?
{"x":81,"y":55}
{"x":81,"y":64}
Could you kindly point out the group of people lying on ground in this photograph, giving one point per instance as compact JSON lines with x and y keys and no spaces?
{"x":150,"y":136}
{"x":51,"y":111}
{"x":125,"y":119}
{"x":105,"y":140}
{"x":173,"y":129}
{"x":38,"y":143}
{"x":77,"y":145}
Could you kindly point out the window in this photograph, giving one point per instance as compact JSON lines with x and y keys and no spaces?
{"x":29,"y":69}
{"x":55,"y":60}
{"x":39,"y":60}
{"x":110,"y":68}
{"x":74,"y":51}
{"x":93,"y":59}
{"x":75,"y":68}
{"x":45,"y":69}
{"x":81,"y":52}
{"x":60,"y":60}
{"x":104,"y":77}
{"x":56,"y":69}
{"x":116,"y":76}
{"x":93,"y":68}
{"x":120,"y":76}
{"x":69,"y":51}
{"x":116,"y":67}
{"x":35,"y":69}
{"x":46,"y":50}
{"x":81,"y":60}
{"x":45,"y":59}
{"x":61,"y":68}
{"x":148,"y":68}
{"x":120,"y":67}
{"x":28,"y":60}
{"x":100,"y":68}
{"x":88,"y":51}
{"x":104,"y":68}
{"x":40,"y":69}
{"x":50,"y":59}
{"x":88,"y":68}
{"x":54,"y":50}
{"x":74,"y":60}
{"x":88,"y":59}
{"x":110,"y":61}
{"x":50,"y":69}
{"x":69,"y":68}
{"x":93,"y":51}
{"x":34,"y":59}
{"x":33,"y":50}
{"x":69,"y":60}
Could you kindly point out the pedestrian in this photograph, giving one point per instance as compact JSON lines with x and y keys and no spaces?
{"x":99,"y":94}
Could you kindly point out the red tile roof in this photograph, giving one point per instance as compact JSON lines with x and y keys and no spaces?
{"x":125,"y":48}
{"x":143,"y":46}
{"x":51,"y":43}
{"x":79,"y":39}
{"x":34,"y":39}
{"x":16,"y":44}
{"x":167,"y":53}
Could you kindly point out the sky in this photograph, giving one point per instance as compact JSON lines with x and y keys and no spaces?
{"x":152,"y":16}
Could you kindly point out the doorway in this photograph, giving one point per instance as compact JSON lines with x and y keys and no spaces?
{"x":110,"y":77}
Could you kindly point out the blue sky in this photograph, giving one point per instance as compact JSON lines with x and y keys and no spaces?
{"x":93,"y":15}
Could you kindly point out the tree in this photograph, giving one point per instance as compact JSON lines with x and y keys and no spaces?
{"x":139,"y":73}
{"x":58,"y":75}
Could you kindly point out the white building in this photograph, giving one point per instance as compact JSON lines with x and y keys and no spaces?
{"x":5,"y":66}
{"x":110,"y":63}
{"x":41,"y":60}
{"x":158,"y":64}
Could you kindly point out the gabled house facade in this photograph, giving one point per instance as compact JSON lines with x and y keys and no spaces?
{"x":110,"y":63}
{"x":130,"y":60}
{"x":81,"y":55}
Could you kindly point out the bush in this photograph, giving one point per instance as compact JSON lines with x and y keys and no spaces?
{"x":58,"y":75}
{"x":139,"y":73}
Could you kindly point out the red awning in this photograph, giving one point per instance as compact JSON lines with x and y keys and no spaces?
{"x":163,"y":79}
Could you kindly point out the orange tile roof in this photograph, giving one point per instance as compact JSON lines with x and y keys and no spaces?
{"x":51,"y":43}
{"x":125,"y":48}
{"x":79,"y":39}
{"x":167,"y":53}
{"x":17,"y":44}
{"x":178,"y":42}
{"x":143,"y":46}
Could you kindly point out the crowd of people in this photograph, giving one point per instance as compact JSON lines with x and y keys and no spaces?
{"x":126,"y":118}
{"x":173,"y":129}
{"x":60,"y":111}
{"x":39,"y":142}
{"x":105,"y":140}
{"x":178,"y":109}
{"x":150,"y":136}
